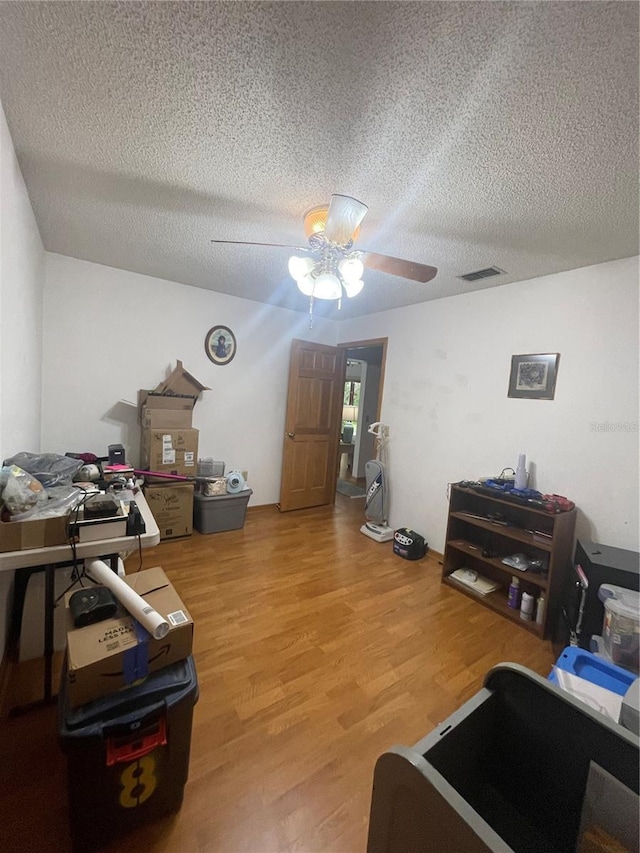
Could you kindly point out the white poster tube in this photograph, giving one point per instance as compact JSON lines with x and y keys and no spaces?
{"x":155,"y":624}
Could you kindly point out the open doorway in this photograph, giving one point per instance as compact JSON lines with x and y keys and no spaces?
{"x":362,"y":400}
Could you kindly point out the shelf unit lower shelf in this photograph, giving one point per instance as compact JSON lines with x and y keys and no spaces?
{"x":495,"y":601}
{"x":473,"y":551}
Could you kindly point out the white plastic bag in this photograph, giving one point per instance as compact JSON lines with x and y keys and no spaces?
{"x":20,"y":491}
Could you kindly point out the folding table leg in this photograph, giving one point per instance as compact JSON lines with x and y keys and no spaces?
{"x":49,"y":607}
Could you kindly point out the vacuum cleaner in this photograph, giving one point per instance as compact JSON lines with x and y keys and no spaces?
{"x":376,"y":498}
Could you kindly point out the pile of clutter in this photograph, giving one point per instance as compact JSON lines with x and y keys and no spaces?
{"x":211,"y":479}
{"x":36,"y":486}
{"x":182,"y":489}
{"x":47,"y":499}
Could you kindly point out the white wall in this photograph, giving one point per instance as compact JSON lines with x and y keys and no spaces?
{"x":445,"y":393}
{"x":109,"y":332}
{"x":445,"y":396}
{"x":21,"y":285}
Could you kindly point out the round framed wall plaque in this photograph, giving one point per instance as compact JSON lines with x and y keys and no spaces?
{"x":220,"y":344}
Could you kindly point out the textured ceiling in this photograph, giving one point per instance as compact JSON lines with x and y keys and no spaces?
{"x":478,"y":133}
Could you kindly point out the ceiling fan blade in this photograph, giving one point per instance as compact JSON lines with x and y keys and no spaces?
{"x":399,"y":267}
{"x":273,"y":245}
{"x":343,"y":218}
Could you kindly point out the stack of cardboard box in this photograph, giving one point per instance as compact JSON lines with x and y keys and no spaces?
{"x":169,"y":445}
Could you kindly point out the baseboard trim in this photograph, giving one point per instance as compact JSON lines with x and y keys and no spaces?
{"x":262,"y":508}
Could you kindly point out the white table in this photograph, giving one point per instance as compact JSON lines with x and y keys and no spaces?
{"x":57,"y":556}
{"x":64,"y":553}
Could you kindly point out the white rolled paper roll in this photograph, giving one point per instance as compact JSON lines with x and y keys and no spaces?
{"x":155,"y":624}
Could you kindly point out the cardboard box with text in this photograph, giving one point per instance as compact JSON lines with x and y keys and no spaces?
{"x":116,"y":653}
{"x":172,"y":507}
{"x":170,"y":451}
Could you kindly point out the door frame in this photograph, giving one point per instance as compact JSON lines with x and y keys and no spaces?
{"x":371,"y":342}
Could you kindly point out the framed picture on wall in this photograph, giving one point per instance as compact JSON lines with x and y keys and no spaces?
{"x":533,"y":376}
{"x":220,"y":344}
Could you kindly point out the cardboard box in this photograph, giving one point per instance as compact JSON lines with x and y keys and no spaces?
{"x":40,"y":533}
{"x":171,"y":403}
{"x":170,"y":412}
{"x":115,"y":653}
{"x":181,"y":383}
{"x":170,"y":451}
{"x":171,"y":505}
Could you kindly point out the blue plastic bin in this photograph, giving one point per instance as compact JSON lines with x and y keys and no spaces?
{"x":595,"y":669}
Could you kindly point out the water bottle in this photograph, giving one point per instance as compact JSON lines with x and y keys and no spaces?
{"x":526,"y":608}
{"x":540,"y":609}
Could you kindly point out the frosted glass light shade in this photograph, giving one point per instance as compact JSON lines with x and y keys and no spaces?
{"x":351,"y":269}
{"x":352,"y":288}
{"x":306,"y":285}
{"x":300,"y":267}
{"x":327,"y":286}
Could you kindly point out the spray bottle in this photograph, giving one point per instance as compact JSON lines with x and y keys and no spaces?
{"x":514,"y":593}
{"x":522,"y":477}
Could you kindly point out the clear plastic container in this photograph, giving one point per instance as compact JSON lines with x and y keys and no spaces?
{"x":208,"y":467}
{"x":621,"y":627}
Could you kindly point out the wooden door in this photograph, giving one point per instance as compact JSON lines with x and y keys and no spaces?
{"x":312,"y":426}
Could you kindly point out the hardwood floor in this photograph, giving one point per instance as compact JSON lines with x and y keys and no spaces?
{"x":316,"y":649}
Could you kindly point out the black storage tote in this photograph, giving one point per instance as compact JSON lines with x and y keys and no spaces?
{"x":128,"y":754}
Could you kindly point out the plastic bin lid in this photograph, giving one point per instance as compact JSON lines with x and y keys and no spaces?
{"x":621,"y":601}
{"x":591,"y":666}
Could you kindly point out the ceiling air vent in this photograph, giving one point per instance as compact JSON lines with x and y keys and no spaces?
{"x":478,"y":274}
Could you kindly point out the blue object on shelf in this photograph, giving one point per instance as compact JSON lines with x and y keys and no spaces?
{"x":595,"y":669}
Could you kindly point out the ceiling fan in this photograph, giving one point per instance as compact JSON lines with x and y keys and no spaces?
{"x":331,"y":266}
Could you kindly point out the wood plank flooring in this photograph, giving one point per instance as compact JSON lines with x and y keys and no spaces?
{"x":316,"y":649}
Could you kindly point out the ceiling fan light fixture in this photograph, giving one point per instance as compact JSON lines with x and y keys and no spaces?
{"x":331,"y":230}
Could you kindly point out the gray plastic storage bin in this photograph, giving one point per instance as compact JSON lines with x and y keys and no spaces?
{"x":220,"y":512}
